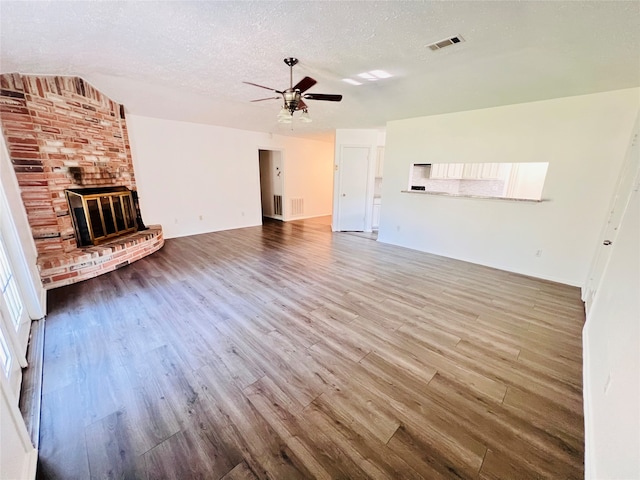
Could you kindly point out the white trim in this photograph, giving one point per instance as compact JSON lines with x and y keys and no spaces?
{"x":20,"y":267}
{"x":29,"y":460}
{"x":305,"y":217}
{"x":629,"y":175}
{"x":589,"y":467}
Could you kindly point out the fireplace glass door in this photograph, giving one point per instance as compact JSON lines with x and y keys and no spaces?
{"x":100,"y":214}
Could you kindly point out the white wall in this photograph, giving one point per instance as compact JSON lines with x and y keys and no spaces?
{"x":185,"y":171}
{"x":611,"y":341}
{"x":361,"y":138}
{"x":527,"y":180}
{"x":583,"y":138}
{"x":308,"y":174}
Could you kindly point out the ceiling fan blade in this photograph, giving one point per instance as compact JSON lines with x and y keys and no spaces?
{"x":323,"y":96}
{"x":301,"y":105}
{"x":305,"y":84}
{"x":269,"y":98}
{"x":262,"y":86}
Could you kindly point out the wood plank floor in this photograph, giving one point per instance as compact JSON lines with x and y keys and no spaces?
{"x":286,"y":351}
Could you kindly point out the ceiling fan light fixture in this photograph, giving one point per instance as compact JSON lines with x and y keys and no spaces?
{"x":294,"y":97}
{"x":305,"y":117}
{"x":284,"y":116}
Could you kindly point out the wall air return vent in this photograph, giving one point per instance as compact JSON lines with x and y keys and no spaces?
{"x":446,"y":42}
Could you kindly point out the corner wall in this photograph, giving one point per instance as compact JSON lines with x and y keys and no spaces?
{"x":584,"y":139}
{"x":611,"y":344}
{"x":195,"y":178}
{"x":61,"y":133}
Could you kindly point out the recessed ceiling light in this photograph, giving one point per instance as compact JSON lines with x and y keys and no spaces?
{"x":380,"y":74}
{"x":371,"y":76}
{"x":367,"y":76}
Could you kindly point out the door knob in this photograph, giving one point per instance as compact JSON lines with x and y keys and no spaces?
{"x":607,"y":242}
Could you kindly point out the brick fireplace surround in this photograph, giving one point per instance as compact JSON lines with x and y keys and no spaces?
{"x":62,"y":133}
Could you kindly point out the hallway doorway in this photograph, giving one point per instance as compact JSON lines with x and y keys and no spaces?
{"x":271,"y":183}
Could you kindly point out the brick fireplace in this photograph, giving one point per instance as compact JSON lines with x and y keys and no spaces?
{"x":63,"y":134}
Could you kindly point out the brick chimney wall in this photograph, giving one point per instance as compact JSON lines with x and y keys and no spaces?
{"x":61,"y":133}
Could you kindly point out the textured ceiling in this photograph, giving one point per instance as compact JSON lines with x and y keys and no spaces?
{"x":186,"y":60}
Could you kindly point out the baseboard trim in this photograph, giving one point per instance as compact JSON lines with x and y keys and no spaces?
{"x":306,"y":217}
{"x":31,"y":392}
{"x":589,"y":467}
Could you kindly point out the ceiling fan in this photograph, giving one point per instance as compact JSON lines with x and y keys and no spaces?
{"x":294,"y":96}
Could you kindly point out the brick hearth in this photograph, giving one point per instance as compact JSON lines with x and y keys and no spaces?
{"x":83,"y":263}
{"x":62,"y":133}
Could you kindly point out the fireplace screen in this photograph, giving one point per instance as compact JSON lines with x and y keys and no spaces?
{"x":100,"y":214}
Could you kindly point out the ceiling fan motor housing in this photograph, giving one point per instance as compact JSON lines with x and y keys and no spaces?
{"x":291,"y":99}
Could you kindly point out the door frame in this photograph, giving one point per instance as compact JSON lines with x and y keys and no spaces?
{"x":628,"y":180}
{"x":282,"y":181}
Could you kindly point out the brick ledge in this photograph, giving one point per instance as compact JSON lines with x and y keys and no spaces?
{"x":57,"y":270}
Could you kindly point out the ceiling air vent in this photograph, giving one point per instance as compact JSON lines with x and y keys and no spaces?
{"x":446,"y":42}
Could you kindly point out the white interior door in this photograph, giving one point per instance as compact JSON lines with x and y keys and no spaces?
{"x":628,"y":180}
{"x":352,"y":197}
